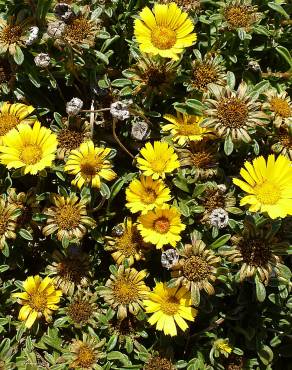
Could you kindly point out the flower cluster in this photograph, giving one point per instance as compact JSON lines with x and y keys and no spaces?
{"x":146,"y":184}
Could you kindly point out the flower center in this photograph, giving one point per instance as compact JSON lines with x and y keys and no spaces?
{"x":7,"y":122}
{"x":195,"y":268}
{"x":214,"y":200}
{"x":170,"y":306}
{"x":202,"y":159}
{"x":163,"y":37}
{"x":125,"y":291}
{"x":158,"y":165}
{"x":31,"y":154}
{"x":86,"y":356}
{"x":281,"y":107}
{"x":67,"y":217}
{"x":11,"y":34}
{"x":154,"y":76}
{"x":286,"y":141}
{"x":78,"y":30}
{"x":3,"y":224}
{"x":90,"y":165}
{"x":267,"y":193}
{"x":237,"y":16}
{"x":128,"y":243}
{"x":232,"y":112}
{"x":189,"y":129}
{"x":255,"y":252}
{"x":161,"y":225}
{"x":72,"y":270}
{"x":70,"y":139}
{"x":203,"y":75}
{"x":80,"y":311}
{"x":149,"y":196}
{"x":158,"y":363}
{"x":38,"y":301}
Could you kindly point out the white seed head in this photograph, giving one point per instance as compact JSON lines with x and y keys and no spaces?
{"x":219,"y":218}
{"x":42,"y":60}
{"x":56,"y":29}
{"x":120,"y":110}
{"x":140,"y":130}
{"x":169,"y":258}
{"x":74,"y":106}
{"x":33,"y":34}
{"x":63,"y":11}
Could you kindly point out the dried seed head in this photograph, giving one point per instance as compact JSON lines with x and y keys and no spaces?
{"x":56,"y":29}
{"x":42,"y":60}
{"x":74,"y":106}
{"x":33,"y":33}
{"x":169,"y":258}
{"x":219,"y":218}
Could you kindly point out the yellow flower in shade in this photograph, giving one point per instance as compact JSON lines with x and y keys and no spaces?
{"x":222,"y":345}
{"x":158,"y":159}
{"x":12,"y":115}
{"x":40,"y":298}
{"x":30,"y":148}
{"x":169,"y":307}
{"x":166,"y":31}
{"x":125,"y":290}
{"x":126,"y":244}
{"x":185,"y":128}
{"x":161,"y":226}
{"x":268,"y":184}
{"x":145,"y":194}
{"x":90,"y":165}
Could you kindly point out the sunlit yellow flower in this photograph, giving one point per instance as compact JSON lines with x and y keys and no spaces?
{"x":161,"y":226}
{"x":40,"y":298}
{"x":145,"y":194}
{"x":12,"y":115}
{"x":185,"y":128}
{"x":30,"y":148}
{"x":170,"y":307}
{"x":165,"y":32}
{"x":158,"y":159}
{"x":268,"y":184}
{"x":90,"y":165}
{"x":223,"y":346}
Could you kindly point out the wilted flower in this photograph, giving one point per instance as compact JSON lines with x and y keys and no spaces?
{"x":158,"y":363}
{"x":219,"y":218}
{"x":33,"y":34}
{"x":56,"y":29}
{"x":63,"y":11}
{"x":279,"y":106}
{"x":42,"y":60}
{"x":74,"y":106}
{"x":12,"y":35}
{"x":169,"y":258}
{"x":8,"y":221}
{"x":120,"y":110}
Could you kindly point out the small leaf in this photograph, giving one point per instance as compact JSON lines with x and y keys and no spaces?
{"x":266,"y":354}
{"x":284,"y":52}
{"x":260,"y":289}
{"x":220,"y":241}
{"x":230,"y":78}
{"x":18,"y":56}
{"x":25,"y":234}
{"x":228,"y":145}
{"x":278,"y":8}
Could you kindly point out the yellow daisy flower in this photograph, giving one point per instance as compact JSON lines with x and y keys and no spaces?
{"x":158,"y":160}
{"x":170,"y":307}
{"x":268,"y":184}
{"x":185,"y":128}
{"x":166,"y":31}
{"x":30,"y":148}
{"x":161,"y":226}
{"x":40,"y":298}
{"x":12,"y":115}
{"x":145,"y":194}
{"x":90,"y":165}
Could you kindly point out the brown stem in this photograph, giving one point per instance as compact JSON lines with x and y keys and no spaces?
{"x":118,"y":140}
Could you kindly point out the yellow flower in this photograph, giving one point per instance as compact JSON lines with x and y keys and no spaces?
{"x":185,"y":128}
{"x":222,"y":345}
{"x":12,"y":115}
{"x":158,"y":160}
{"x":40,"y":298}
{"x":269,"y":185}
{"x":90,"y":165}
{"x":165,"y":32}
{"x":169,"y":306}
{"x":145,"y":194}
{"x":161,"y":226}
{"x":30,"y":148}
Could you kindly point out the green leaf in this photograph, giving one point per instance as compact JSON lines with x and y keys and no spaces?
{"x":265,"y":354}
{"x":18,"y":56}
{"x":101,"y":56}
{"x":25,"y":234}
{"x":228,"y":145}
{"x":284,"y":52}
{"x":105,"y":190}
{"x":196,"y":105}
{"x":278,"y":8}
{"x":112,"y":342}
{"x":121,"y":82}
{"x":222,"y":240}
{"x":230,"y":78}
{"x":116,"y":355}
{"x":260,"y":289}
